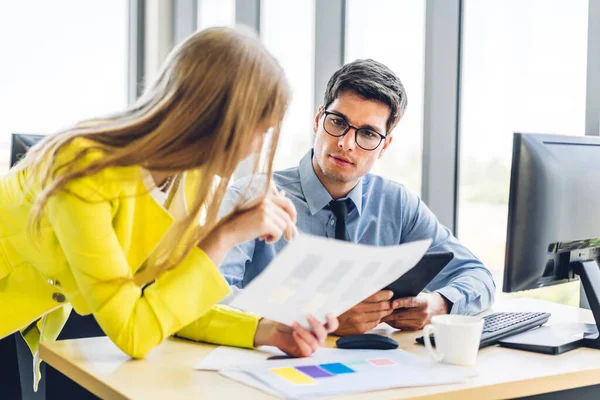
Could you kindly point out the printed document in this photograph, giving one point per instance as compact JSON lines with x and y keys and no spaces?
{"x":345,"y":371}
{"x":317,"y":275}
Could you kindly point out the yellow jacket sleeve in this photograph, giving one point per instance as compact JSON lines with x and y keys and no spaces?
{"x":135,"y":320}
{"x":223,"y":325}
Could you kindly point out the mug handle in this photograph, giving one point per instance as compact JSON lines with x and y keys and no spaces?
{"x":437,"y":353}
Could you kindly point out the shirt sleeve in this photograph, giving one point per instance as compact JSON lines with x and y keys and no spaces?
{"x":233,"y":266}
{"x":465,"y":281}
{"x":137,"y":320}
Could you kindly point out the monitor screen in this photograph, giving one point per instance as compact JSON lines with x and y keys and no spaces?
{"x":554,"y":204}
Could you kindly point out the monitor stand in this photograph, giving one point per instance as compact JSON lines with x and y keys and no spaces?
{"x":589,"y":272}
{"x":561,"y":337}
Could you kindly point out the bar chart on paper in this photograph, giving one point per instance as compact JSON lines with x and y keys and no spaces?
{"x":354,"y":372}
{"x":309,"y":374}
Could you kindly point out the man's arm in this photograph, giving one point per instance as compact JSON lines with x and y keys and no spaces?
{"x":465,"y":282}
{"x":464,"y":286}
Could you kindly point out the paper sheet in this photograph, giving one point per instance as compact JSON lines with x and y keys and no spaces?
{"x":317,"y":275}
{"x":242,"y":377}
{"x":352,"y":371}
{"x":225,"y":356}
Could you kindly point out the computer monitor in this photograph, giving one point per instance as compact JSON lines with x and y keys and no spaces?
{"x":20,"y":143}
{"x":554,"y":216}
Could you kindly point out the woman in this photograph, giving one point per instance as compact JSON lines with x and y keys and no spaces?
{"x":80,"y":224}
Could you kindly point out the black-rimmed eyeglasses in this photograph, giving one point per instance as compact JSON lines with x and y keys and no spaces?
{"x":336,"y":125}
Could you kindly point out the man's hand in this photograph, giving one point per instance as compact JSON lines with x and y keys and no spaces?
{"x":365,"y":315}
{"x":413,"y":313}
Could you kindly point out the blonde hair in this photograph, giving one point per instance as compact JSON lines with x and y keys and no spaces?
{"x":216,"y":89}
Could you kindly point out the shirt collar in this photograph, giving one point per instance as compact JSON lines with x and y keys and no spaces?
{"x":317,"y":197}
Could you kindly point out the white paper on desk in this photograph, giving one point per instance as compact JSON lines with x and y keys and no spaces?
{"x":369,"y":370}
{"x":317,"y":275}
{"x":242,"y":377}
{"x":225,"y":356}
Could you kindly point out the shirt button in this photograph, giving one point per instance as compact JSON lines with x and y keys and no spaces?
{"x":53,"y":282}
{"x":58,"y":297}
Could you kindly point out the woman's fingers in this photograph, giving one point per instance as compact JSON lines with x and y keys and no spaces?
{"x":280,"y":213}
{"x":305,"y":336}
{"x":318,"y":329}
{"x":285,"y":204}
{"x":289,"y":209}
{"x":304,"y":349}
{"x":277,"y":220}
{"x":272,"y":222}
{"x":332,"y":323}
{"x":308,"y":342}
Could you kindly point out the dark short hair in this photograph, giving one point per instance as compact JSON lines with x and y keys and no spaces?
{"x":371,"y":80}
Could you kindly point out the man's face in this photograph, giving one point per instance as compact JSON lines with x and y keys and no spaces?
{"x":340,"y":159}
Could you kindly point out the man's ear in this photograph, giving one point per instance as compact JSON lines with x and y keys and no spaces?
{"x":386,"y":143}
{"x":317,"y":119}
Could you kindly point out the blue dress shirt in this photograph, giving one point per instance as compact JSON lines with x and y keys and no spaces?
{"x":384,"y":213}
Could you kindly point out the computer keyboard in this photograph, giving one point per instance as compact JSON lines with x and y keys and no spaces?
{"x":502,"y":324}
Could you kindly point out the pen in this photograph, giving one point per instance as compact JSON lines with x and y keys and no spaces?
{"x":276,"y":192}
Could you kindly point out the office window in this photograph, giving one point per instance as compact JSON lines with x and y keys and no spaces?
{"x":392,"y":32}
{"x":287,"y":30}
{"x":215,"y":13}
{"x":63,"y":61}
{"x":523,"y":70}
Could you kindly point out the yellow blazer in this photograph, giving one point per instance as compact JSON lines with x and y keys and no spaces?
{"x":93,"y":240}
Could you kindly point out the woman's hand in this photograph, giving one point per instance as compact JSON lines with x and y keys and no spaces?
{"x":295,"y":340}
{"x":269,"y":220}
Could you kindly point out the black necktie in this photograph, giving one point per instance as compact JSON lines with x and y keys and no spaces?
{"x":340,"y":209}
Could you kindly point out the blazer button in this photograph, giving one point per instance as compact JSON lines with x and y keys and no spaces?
{"x":58,"y":297}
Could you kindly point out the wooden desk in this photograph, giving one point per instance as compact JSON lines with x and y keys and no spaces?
{"x":100,"y":367}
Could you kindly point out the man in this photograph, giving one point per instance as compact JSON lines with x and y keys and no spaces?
{"x":336,"y":196}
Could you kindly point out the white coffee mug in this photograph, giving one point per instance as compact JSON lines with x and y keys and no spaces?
{"x":457,"y":338}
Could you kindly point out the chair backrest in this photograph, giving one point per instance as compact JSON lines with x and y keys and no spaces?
{"x":9,"y":368}
{"x":20,"y":143}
